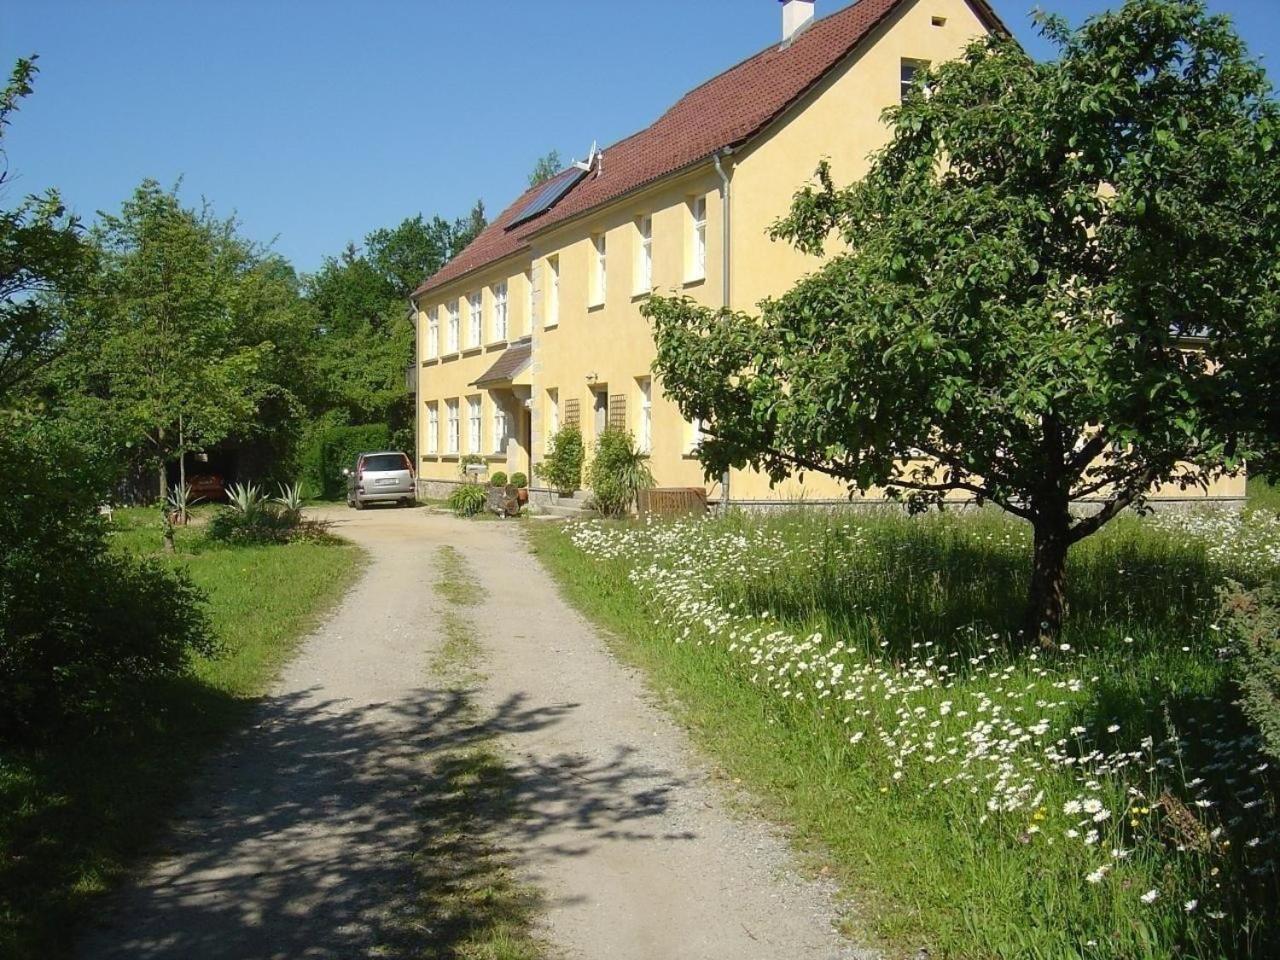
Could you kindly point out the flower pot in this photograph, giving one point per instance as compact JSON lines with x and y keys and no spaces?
{"x":522,"y":495}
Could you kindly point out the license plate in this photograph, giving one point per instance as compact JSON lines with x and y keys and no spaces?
{"x":385,"y":483}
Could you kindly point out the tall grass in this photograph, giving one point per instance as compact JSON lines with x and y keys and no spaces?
{"x":975,"y":795}
{"x":75,"y":815}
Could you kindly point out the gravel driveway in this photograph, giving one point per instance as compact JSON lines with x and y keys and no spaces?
{"x":300,"y":843}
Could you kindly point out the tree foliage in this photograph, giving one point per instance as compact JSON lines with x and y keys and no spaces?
{"x":169,"y":341}
{"x":545,"y":168}
{"x":361,"y":314}
{"x":42,"y":249}
{"x":1057,"y":281}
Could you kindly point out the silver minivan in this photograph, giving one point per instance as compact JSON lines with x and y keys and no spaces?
{"x":385,"y":477}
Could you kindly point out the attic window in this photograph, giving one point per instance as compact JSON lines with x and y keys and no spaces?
{"x":939,"y":21}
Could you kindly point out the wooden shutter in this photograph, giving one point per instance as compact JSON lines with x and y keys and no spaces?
{"x":618,"y":411}
{"x":572,"y":412}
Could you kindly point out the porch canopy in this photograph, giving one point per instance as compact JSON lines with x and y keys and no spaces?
{"x":510,"y":369}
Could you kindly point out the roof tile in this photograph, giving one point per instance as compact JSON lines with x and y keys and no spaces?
{"x":723,"y":112}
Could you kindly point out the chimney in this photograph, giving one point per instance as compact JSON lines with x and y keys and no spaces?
{"x":796,"y":15}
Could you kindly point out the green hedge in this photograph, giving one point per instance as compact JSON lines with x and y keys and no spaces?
{"x":332,"y":449}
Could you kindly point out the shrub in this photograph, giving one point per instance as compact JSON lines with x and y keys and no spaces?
{"x":468,"y":499}
{"x":81,"y":627}
{"x":1253,"y":620}
{"x":518,"y":479}
{"x":618,"y":473}
{"x":252,"y":518}
{"x":499,"y":479}
{"x":330,"y":450}
{"x":562,"y":467}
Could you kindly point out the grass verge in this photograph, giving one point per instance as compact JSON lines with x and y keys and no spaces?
{"x":471,"y":905}
{"x":75,"y":816}
{"x":972,"y":796}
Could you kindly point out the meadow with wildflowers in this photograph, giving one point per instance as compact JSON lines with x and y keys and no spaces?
{"x":974,"y":793}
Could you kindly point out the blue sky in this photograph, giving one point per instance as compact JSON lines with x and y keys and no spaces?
{"x":316,"y":122}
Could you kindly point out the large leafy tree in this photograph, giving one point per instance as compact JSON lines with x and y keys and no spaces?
{"x":360,"y":304}
{"x":1058,"y":282}
{"x":170,"y":341}
{"x":42,"y":250}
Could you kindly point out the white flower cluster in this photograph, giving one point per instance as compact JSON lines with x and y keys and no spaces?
{"x":1009,"y":742}
{"x":1231,"y":538}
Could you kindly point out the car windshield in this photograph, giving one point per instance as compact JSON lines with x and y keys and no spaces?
{"x":384,"y":462}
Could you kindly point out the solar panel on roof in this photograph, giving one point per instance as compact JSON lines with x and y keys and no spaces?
{"x":549,"y":195}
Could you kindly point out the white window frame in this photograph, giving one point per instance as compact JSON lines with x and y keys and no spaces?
{"x":500,"y":319}
{"x":501,"y":429}
{"x":644,"y":255}
{"x":644,"y":436}
{"x":528,"y":300}
{"x":475,"y":424}
{"x":697,"y":238}
{"x":904,"y":81}
{"x":475,"y":317}
{"x":553,"y":291}
{"x":454,"y":330}
{"x":453,"y":440}
{"x":433,"y":427}
{"x":600,"y":272}
{"x":696,"y":429}
{"x":433,"y":333}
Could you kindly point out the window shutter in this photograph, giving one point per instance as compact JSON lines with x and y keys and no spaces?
{"x":618,"y":411}
{"x":572,"y":412}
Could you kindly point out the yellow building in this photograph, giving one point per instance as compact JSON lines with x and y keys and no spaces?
{"x":537,"y":323}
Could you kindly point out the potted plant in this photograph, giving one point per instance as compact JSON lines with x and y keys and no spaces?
{"x":521,"y":483}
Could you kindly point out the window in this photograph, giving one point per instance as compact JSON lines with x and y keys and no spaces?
{"x":433,"y":427}
{"x":451,"y":418}
{"x":909,"y":70}
{"x":696,"y":428}
{"x":553,"y":414}
{"x":473,"y":425}
{"x":475,"y":317}
{"x":528,"y":300}
{"x":698,"y":238}
{"x":600,"y":274}
{"x":644,"y":255}
{"x":499,"y":429}
{"x":644,"y":435}
{"x":500,"y":310}
{"x":433,"y":333}
{"x":553,"y":291}
{"x":452,"y":343}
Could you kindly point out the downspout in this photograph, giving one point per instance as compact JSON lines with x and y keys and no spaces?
{"x":417,"y":396}
{"x":726,"y":223}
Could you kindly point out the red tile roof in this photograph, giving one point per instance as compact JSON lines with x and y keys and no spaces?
{"x":724,"y":112}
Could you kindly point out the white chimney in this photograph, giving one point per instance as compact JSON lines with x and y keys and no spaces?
{"x":796,"y":15}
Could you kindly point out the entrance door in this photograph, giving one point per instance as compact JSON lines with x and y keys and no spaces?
{"x":600,"y":400}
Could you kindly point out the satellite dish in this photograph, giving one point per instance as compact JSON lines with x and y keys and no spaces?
{"x":586,"y":165}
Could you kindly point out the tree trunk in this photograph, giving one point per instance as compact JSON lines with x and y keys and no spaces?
{"x":164,"y":471}
{"x":182,"y":469}
{"x":1045,"y":600}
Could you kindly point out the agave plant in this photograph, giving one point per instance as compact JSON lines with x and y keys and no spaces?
{"x":291,"y":499}
{"x":245,"y":499}
{"x":179,"y":502}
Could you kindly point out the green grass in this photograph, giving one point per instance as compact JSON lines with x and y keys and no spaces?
{"x":1263,"y":495}
{"x":76,"y":816}
{"x":851,"y":600}
{"x":469,"y":898}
